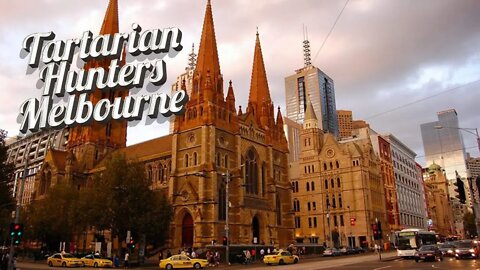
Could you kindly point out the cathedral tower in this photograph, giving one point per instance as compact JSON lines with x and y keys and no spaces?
{"x":92,"y":142}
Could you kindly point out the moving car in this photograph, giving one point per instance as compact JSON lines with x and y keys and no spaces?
{"x":448,"y":249}
{"x":348,"y":251}
{"x":182,"y":262}
{"x":428,"y":252}
{"x":96,"y":261}
{"x":466,"y":249}
{"x":64,"y":260}
{"x":331,"y":252}
{"x":280,"y":257}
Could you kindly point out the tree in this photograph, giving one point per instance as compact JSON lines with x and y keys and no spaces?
{"x":120,"y":199}
{"x":55,"y":218}
{"x":469,"y":224}
{"x":7,"y":202}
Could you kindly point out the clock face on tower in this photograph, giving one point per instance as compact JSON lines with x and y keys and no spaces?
{"x":330,"y":153}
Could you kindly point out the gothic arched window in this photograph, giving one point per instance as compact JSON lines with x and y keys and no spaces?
{"x":186,"y":160}
{"x":251,"y":173}
{"x":195,"y":158}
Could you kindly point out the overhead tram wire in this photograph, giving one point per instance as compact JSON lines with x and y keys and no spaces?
{"x":422,"y":99}
{"x":331,"y":30}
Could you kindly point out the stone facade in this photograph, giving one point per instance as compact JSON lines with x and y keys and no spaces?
{"x":338,"y":192}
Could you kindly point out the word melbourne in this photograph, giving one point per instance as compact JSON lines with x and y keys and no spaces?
{"x":106,"y":69}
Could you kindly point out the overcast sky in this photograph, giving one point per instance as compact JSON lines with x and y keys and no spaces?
{"x":381,"y":54}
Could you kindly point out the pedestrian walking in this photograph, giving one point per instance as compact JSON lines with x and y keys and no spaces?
{"x":169,"y":253}
{"x":125,"y":261}
{"x":160,"y":256}
{"x":262,"y":254}
{"x":254,"y":253}
{"x":193,"y":255}
{"x":248,"y":257}
{"x":217,"y":258}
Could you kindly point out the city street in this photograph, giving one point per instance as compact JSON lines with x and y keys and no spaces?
{"x":367,"y":262}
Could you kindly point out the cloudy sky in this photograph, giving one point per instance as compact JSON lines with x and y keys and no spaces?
{"x":382,"y":55}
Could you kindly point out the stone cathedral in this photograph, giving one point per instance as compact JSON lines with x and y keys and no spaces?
{"x":212,"y":139}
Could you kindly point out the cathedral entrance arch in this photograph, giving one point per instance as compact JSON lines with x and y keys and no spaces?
{"x":187,"y":231}
{"x":255,"y":230}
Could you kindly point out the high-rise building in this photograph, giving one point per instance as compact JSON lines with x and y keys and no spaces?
{"x":345,"y":123}
{"x":292,"y":133}
{"x":410,"y":190}
{"x":31,"y":150}
{"x":443,"y":144}
{"x":312,"y":83}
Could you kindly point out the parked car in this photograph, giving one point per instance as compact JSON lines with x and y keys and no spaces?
{"x":348,"y":251}
{"x":332,"y":252}
{"x":448,"y":249}
{"x":360,"y":250}
{"x":96,"y":261}
{"x":428,"y":252}
{"x":64,"y":260}
{"x":466,"y":249}
{"x":281,"y":257}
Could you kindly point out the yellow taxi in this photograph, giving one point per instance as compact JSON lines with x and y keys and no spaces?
{"x":182,"y":262}
{"x":280,"y":257}
{"x":64,"y":260}
{"x":96,"y":261}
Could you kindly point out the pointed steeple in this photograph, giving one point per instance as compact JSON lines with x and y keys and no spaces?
{"x":311,"y":120}
{"x":207,"y":60}
{"x":110,"y":22}
{"x":279,"y":121}
{"x":259,"y":91}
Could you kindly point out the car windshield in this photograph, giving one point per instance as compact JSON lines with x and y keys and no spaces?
{"x":427,"y":248}
{"x":98,"y":257}
{"x":68,"y":256}
{"x":464,"y":244}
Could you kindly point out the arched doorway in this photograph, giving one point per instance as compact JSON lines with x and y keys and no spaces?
{"x":255,"y":231}
{"x":187,"y":230}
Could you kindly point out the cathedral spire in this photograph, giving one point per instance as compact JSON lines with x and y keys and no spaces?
{"x":207,"y":60}
{"x":259,"y":92}
{"x":311,"y":120}
{"x":110,"y":22}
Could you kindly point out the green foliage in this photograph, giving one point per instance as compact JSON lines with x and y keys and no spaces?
{"x":7,"y":202}
{"x":54,"y":218}
{"x":469,"y":224}
{"x":120,"y":198}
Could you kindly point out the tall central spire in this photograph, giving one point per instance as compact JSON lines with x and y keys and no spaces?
{"x":259,"y":91}
{"x":110,"y":22}
{"x":207,"y":61}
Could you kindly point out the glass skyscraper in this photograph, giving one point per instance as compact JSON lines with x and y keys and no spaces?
{"x":443,"y":144}
{"x":311,"y":82}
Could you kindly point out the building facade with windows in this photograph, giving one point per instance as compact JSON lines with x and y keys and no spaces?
{"x":30,"y":150}
{"x":338,"y":190}
{"x":312,"y":83}
{"x":410,"y":190}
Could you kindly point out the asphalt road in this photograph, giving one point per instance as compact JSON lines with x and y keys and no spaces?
{"x":362,"y":262}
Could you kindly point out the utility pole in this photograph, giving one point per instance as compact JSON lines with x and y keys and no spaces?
{"x":17,"y":214}
{"x":227,"y":248}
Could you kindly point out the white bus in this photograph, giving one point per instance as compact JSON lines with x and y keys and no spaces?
{"x":409,"y":240}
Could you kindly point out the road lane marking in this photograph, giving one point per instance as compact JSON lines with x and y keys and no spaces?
{"x":382,"y":267}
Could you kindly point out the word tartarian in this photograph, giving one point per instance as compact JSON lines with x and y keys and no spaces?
{"x":55,"y":57}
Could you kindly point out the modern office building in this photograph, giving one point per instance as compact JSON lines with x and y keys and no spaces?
{"x":31,"y":150}
{"x":443,"y":144}
{"x":310,"y":82}
{"x":292,"y":131}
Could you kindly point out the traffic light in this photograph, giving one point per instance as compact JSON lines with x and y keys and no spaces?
{"x":225,"y":240}
{"x":16,"y":232}
{"x":461,"y":191}
{"x":379,"y":230}
{"x":131,"y":244}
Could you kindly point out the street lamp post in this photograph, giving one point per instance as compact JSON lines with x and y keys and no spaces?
{"x":17,"y":214}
